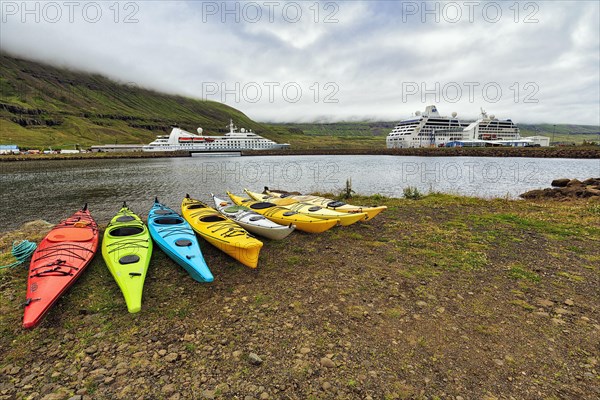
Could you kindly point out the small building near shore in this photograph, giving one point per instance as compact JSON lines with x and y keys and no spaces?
{"x":9,"y":149}
{"x":542,"y":141}
{"x":117,"y":148}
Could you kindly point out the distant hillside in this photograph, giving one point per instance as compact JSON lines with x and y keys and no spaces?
{"x":374,"y":133}
{"x":42,"y":105}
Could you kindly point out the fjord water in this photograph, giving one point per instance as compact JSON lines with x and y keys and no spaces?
{"x":51,"y":190}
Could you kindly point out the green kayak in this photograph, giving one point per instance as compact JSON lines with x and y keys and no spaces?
{"x":126,"y":248}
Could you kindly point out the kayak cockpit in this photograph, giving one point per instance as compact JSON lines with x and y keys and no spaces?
{"x":126,"y":231}
{"x":169,"y":221}
{"x":213,"y":218}
{"x":261,"y":205}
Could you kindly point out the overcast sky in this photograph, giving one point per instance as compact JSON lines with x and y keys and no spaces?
{"x":329,"y":61}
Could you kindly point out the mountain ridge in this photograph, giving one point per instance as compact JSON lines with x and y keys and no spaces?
{"x":46,"y":105}
{"x":43,"y":105}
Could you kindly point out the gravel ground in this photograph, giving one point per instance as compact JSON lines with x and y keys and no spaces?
{"x":440,"y":298}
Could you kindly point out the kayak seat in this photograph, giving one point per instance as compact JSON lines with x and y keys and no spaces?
{"x":183,"y":242}
{"x":126,"y":231}
{"x":132,"y":259}
{"x":125,"y":218}
{"x":262,"y":205}
{"x":70,"y":235}
{"x":168,"y":221}
{"x":213,"y":218}
{"x":334,"y":204}
{"x":195,"y":206}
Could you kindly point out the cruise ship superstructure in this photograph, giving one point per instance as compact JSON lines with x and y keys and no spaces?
{"x":430,"y":129}
{"x":233,"y":141}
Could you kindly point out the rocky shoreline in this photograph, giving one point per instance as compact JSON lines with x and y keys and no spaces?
{"x":566,"y":189}
{"x":591,"y":152}
{"x":90,"y":156}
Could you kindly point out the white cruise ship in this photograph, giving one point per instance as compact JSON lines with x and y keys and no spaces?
{"x":430,"y":129}
{"x":233,"y":141}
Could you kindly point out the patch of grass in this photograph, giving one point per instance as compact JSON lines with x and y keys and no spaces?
{"x":555,"y":229}
{"x":261,"y":299}
{"x":412,"y":193}
{"x":191,"y":347}
{"x":575,"y":249}
{"x":519,"y":272}
{"x":294,"y":260}
{"x":523,"y":304}
{"x":355,"y":235}
{"x":390,"y":257}
{"x":571,"y":277}
{"x":395,"y":312}
{"x":356,"y":312}
{"x":594,"y":209}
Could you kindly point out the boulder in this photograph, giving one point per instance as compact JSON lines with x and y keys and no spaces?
{"x":592,"y":182}
{"x":560,"y":182}
{"x":566,"y":189}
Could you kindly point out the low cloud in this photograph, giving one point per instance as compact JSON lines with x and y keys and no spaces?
{"x":331,"y":61}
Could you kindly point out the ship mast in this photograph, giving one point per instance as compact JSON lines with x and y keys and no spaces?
{"x":231,"y":126}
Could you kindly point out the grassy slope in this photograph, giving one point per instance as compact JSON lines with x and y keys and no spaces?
{"x":372,"y":134}
{"x":75,"y":107}
{"x":437,"y":298}
{"x":59,"y":108}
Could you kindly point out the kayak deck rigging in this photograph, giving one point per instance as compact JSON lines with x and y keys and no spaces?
{"x":68,"y":250}
{"x":125,"y":244}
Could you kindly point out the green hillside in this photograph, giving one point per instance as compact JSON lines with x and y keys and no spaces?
{"x":375,"y":132}
{"x":42,"y":106}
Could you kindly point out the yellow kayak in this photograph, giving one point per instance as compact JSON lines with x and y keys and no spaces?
{"x":329,"y":204}
{"x":221,"y":232}
{"x":309,"y":209}
{"x":285,"y":216}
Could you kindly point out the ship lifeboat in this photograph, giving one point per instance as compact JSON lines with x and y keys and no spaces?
{"x":198,"y":139}
{"x":185,"y":139}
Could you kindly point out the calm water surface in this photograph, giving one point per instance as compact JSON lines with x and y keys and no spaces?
{"x":52,"y":190}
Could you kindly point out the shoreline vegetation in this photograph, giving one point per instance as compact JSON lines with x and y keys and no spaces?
{"x":582,"y":152}
{"x":442,"y":297}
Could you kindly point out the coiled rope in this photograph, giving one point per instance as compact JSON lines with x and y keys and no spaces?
{"x":21,"y":252}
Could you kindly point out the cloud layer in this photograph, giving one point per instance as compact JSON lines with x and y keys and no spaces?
{"x":331,"y":61}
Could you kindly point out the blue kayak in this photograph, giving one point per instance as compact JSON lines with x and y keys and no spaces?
{"x":176,"y":238}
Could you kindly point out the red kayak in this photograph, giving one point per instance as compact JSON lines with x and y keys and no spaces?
{"x":57,"y":262}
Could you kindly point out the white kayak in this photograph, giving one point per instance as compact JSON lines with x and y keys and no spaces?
{"x":252,"y":221}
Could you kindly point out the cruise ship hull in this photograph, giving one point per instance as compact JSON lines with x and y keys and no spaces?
{"x":430,"y":129}
{"x":233,"y":141}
